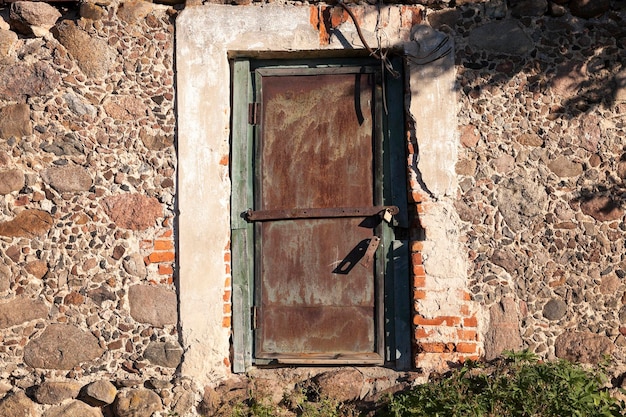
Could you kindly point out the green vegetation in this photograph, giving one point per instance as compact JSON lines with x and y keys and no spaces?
{"x":516,"y":386}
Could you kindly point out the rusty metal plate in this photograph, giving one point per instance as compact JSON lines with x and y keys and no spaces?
{"x":315,"y":152}
{"x":316,"y":148}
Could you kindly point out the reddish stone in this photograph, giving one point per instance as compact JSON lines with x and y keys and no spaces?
{"x":469,"y":138}
{"x":74,"y":298}
{"x":602,"y":208}
{"x":28,"y":223}
{"x":133,"y":211}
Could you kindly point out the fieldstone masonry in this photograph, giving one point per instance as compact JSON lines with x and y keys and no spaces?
{"x":517,"y":185}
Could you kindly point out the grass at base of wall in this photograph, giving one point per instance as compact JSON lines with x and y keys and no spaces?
{"x":518,"y":385}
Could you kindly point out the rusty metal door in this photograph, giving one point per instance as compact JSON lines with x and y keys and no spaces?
{"x":318,"y":215}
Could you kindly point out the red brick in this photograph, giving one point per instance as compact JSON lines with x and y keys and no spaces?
{"x":227,"y":257}
{"x":224,"y":160}
{"x":163,"y":245}
{"x":226,"y":322}
{"x":432,"y":347}
{"x":227,"y":308}
{"x":419,"y":281}
{"x":227,"y":282}
{"x":470,"y":322}
{"x":465,"y":310}
{"x":466,"y":347}
{"x":465,"y":295}
{"x":421,"y":333}
{"x":419,"y":271}
{"x":417,"y":246}
{"x":416,"y":258}
{"x":145,"y":244}
{"x":167,"y":233}
{"x":226,"y":296}
{"x":467,"y":334}
{"x":437,"y":321}
{"x":156,"y":257}
{"x":419,"y":294}
{"x":166,"y":269}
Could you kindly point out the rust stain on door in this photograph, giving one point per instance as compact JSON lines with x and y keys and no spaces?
{"x":316,"y":150}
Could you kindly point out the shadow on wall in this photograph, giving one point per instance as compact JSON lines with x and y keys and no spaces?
{"x":575,"y":52}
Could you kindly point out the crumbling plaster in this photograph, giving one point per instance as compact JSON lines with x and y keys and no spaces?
{"x":206,"y":36}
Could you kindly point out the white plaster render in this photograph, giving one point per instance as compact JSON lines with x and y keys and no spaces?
{"x":205,"y":36}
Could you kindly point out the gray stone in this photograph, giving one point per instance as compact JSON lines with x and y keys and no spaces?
{"x":21,"y":310}
{"x":503,"y":333}
{"x":70,"y":179}
{"x":33,"y":18}
{"x":602,"y":208}
{"x":125,"y":108}
{"x":15,"y":121}
{"x":564,"y":168}
{"x":135,"y":265}
{"x":79,"y":106}
{"x":67,"y":145}
{"x":520,"y":200}
{"x":20,"y":80}
{"x":55,"y":392}
{"x":101,"y":294}
{"x":522,"y":8}
{"x":61,"y":346}
{"x":94,"y":56}
{"x":73,"y":409}
{"x":342,"y":385}
{"x":11,"y":180}
{"x":154,"y":305}
{"x":100,"y":393}
{"x":5,"y":278}
{"x":505,"y":259}
{"x":555,"y":309}
{"x":17,"y":405}
{"x":589,"y":8}
{"x":137,"y":403}
{"x":165,"y":354}
{"x":133,"y":211}
{"x":184,"y":403}
{"x":505,"y":37}
{"x":582,"y":347}
{"x":622,"y":315}
{"x":8,"y":39}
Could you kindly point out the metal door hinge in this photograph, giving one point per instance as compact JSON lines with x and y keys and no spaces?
{"x":253,"y":318}
{"x":254,"y":110}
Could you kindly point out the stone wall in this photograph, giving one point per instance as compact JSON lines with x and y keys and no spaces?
{"x":89,"y":309}
{"x":542,"y":171}
{"x":87,"y":208}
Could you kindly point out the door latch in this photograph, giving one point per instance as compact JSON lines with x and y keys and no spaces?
{"x":387,"y":215}
{"x":368,"y":258}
